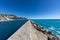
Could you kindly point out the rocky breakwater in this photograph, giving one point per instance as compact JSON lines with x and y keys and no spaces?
{"x":50,"y":35}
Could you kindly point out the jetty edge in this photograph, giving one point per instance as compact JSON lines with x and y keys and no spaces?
{"x":32,"y":31}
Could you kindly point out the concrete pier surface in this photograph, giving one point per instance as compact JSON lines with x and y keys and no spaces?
{"x":28,"y":32}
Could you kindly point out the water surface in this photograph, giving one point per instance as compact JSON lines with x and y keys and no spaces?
{"x":52,"y":25}
{"x":7,"y":28}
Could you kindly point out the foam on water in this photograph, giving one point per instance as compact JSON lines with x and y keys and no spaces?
{"x":51,"y":28}
{"x":52,"y":25}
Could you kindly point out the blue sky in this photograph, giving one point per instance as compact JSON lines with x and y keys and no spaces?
{"x":35,"y":9}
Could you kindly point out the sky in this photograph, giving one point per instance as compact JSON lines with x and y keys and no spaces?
{"x":33,"y":9}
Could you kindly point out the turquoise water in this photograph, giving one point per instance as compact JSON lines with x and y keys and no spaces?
{"x":52,"y":25}
{"x":9,"y":27}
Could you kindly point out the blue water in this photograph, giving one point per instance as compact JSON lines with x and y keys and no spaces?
{"x":9,"y":27}
{"x":52,"y":25}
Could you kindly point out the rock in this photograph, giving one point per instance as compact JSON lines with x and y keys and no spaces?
{"x":50,"y":35}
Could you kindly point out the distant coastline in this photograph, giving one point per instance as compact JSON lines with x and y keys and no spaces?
{"x":10,"y":17}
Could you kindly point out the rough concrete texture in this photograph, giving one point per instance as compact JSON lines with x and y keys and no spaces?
{"x":28,"y":32}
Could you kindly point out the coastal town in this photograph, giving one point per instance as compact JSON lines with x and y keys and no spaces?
{"x":7,"y":17}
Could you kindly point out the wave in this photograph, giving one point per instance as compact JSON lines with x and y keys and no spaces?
{"x":52,"y":28}
{"x":58,"y":32}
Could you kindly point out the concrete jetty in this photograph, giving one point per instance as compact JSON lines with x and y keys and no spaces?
{"x":28,"y":32}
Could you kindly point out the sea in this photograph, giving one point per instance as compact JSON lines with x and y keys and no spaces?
{"x":7,"y":28}
{"x":52,"y":25}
